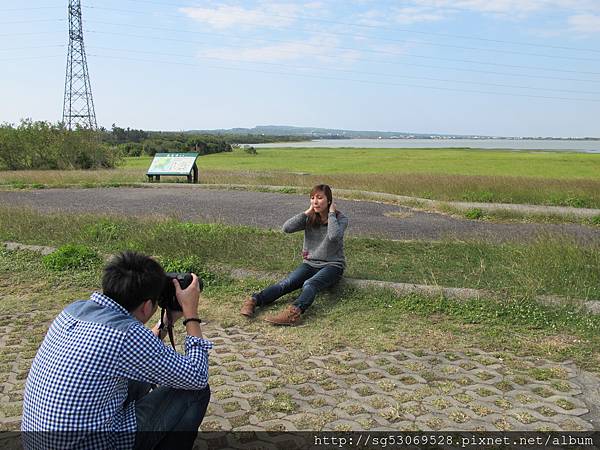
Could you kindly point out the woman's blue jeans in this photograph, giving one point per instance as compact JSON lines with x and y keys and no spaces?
{"x":310,"y":279}
{"x":167,"y":418}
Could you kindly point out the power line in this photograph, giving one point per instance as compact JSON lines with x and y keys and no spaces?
{"x":379,"y":28}
{"x":357,"y":80}
{"x":32,"y":21}
{"x":379,"y":61}
{"x":357,"y":49}
{"x":346,"y":71}
{"x":573,"y":58}
{"x":31,"y":8}
{"x":35,"y":46}
{"x":30,"y":34}
{"x":289,"y":66}
{"x":32,"y":57}
{"x":354,"y":49}
{"x":317,"y":19}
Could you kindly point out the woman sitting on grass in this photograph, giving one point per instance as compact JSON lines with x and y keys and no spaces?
{"x":323,"y":258}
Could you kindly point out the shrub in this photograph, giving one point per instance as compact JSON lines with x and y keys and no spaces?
{"x":131,"y":149}
{"x":251,"y":150}
{"x":103,"y":231}
{"x":474,"y":213}
{"x":287,"y":190}
{"x":571,"y":199}
{"x":577,"y":202}
{"x":479,"y":196}
{"x":42,"y":145}
{"x":71,"y":256}
{"x":190,"y":264}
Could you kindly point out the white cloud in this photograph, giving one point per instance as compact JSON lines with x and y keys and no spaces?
{"x":314,"y":5}
{"x":584,"y":23}
{"x":392,"y":49}
{"x":407,"y":16}
{"x":509,"y":7}
{"x":372,"y":18}
{"x":421,"y":11}
{"x":318,"y":48}
{"x":268,"y":14}
{"x":404,"y":16}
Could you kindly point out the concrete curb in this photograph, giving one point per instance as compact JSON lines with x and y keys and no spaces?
{"x":450,"y":293}
{"x":34,"y":248}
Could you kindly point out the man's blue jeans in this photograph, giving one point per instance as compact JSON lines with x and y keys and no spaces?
{"x":167,"y":418}
{"x":310,"y":279}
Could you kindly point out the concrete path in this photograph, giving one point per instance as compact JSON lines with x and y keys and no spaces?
{"x":270,"y":210}
{"x":258,"y":386}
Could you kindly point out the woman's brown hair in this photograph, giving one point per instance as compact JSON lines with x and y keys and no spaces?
{"x":314,"y":219}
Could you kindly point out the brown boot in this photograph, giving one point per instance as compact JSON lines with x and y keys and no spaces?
{"x":248,"y":307}
{"x":289,"y":316}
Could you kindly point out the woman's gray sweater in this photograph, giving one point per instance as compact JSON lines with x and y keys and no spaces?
{"x":323,"y":244}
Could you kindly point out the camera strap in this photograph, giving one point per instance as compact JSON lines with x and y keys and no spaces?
{"x":169,"y":327}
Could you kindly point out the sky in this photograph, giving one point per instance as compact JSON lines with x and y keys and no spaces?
{"x":485,"y":67}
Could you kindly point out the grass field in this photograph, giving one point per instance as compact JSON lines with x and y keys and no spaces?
{"x":547,"y":178}
{"x":337,"y":319}
{"x":545,"y":267}
{"x":510,"y":322}
{"x":548,"y":165}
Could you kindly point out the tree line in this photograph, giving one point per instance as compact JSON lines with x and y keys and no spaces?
{"x":132,"y":142}
{"x":139,"y":142}
{"x":43,"y":145}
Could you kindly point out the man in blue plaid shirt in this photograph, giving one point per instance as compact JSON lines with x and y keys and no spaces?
{"x":101,"y":379}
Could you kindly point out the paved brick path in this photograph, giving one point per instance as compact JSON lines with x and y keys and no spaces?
{"x":257,"y":386}
{"x":261,"y":387}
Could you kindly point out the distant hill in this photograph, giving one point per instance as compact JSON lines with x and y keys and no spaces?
{"x":331,"y":133}
{"x":323,"y":133}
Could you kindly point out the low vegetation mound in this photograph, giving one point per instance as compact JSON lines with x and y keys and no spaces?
{"x":42,"y":145}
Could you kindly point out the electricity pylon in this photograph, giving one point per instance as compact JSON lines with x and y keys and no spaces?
{"x":78,"y":106}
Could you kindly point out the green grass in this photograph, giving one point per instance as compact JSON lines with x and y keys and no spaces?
{"x":507,"y":216}
{"x":551,"y":178}
{"x":547,"y":266}
{"x":336,"y":320}
{"x":71,"y":256}
{"x":550,"y":165}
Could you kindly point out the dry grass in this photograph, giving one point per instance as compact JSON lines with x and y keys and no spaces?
{"x":497,"y":189}
{"x":58,"y":178}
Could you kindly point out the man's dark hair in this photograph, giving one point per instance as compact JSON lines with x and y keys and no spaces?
{"x":132,"y":278}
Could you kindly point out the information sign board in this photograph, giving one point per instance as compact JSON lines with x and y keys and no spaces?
{"x":172,"y":164}
{"x":175,"y":164}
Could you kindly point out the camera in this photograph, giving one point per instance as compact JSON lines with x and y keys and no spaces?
{"x":167,"y":299}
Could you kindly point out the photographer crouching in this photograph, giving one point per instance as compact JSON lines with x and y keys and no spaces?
{"x":101,"y":379}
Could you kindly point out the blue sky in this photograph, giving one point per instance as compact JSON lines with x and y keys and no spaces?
{"x":494,"y":67}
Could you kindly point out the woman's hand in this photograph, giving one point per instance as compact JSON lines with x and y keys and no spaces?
{"x":332,"y":208}
{"x":310,"y":210}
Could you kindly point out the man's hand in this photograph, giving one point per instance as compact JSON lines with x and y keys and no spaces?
{"x":188,"y":298}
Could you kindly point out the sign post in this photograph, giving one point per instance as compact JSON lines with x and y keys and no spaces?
{"x":175,"y":164}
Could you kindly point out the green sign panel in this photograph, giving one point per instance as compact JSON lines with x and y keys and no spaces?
{"x":172,"y":164}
